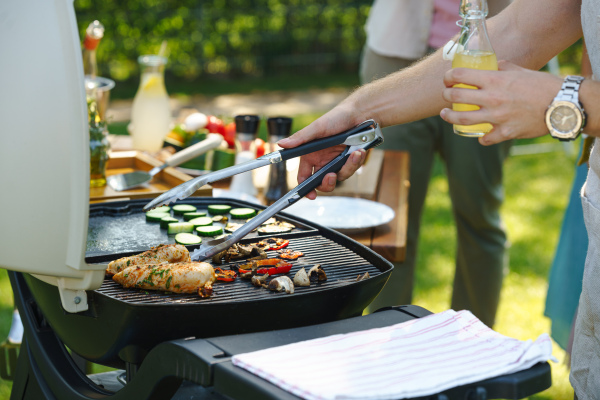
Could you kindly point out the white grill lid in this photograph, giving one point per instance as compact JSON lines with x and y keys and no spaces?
{"x":44,"y":148}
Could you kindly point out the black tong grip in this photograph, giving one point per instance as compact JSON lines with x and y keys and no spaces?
{"x":324,"y":143}
{"x":315,"y":180}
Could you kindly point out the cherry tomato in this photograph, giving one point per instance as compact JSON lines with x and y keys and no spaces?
{"x":215,"y":125}
{"x":230,"y":134}
{"x":260,"y":147}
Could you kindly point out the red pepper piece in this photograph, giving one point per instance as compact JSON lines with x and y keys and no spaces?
{"x":290,"y":254}
{"x":280,"y":246}
{"x":280,"y":268}
{"x":225,"y":275}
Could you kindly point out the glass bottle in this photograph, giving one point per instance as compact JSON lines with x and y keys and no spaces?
{"x":246,"y":127}
{"x":474,"y":51}
{"x":99,"y":146}
{"x":278,"y":128}
{"x":150,"y":111}
{"x":93,"y":33}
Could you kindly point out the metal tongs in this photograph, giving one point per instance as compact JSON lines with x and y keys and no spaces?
{"x":366,"y":135}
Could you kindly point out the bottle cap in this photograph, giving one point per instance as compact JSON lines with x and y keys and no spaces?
{"x":279,"y":126}
{"x":246,"y":124}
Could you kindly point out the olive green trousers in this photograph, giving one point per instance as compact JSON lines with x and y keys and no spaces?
{"x":475,"y":186}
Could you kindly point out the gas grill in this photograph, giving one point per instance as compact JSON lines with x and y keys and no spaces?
{"x":56,"y":247}
{"x":101,"y":333}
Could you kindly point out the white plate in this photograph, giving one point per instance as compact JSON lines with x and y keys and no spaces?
{"x":344,"y":214}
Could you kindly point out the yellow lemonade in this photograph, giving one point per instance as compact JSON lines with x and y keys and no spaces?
{"x":474,"y":60}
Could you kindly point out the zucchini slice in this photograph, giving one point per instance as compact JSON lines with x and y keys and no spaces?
{"x":242,"y":213}
{"x":183,"y":208}
{"x":156,"y":216}
{"x":217,"y":209}
{"x":162,"y":208}
{"x":201,"y":221}
{"x":274,"y":228}
{"x":209,"y":230}
{"x":187,"y":238}
{"x":180,"y":227}
{"x":164,"y":223}
{"x":191,"y":215}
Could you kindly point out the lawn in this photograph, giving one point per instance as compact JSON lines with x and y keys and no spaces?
{"x":536,"y":195}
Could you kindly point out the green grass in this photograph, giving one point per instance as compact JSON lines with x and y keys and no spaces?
{"x":536,"y":195}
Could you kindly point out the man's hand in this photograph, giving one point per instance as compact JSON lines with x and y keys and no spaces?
{"x":337,"y":120}
{"x":513,"y":100}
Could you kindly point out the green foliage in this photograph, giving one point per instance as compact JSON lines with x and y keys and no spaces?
{"x":228,"y":38}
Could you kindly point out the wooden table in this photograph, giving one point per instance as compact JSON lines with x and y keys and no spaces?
{"x":392,"y":190}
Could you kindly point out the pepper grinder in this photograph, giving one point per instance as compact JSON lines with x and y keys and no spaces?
{"x":246,"y":128}
{"x":278,"y":128}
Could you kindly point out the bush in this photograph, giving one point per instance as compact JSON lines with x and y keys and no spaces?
{"x":229,"y":38}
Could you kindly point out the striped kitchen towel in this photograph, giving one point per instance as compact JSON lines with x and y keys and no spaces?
{"x":420,"y":357}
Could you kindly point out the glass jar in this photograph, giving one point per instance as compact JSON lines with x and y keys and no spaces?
{"x":99,"y":146}
{"x":150,"y":112}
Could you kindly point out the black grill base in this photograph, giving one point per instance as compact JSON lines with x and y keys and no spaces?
{"x":45,"y":369}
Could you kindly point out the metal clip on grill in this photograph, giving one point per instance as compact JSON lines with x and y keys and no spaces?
{"x":363,"y":136}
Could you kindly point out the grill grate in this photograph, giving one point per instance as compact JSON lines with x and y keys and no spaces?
{"x":341,"y":265}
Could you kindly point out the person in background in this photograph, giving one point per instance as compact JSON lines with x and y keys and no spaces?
{"x":515,"y":100}
{"x":398,"y":34}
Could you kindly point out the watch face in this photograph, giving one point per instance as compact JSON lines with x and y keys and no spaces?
{"x":564,"y":119}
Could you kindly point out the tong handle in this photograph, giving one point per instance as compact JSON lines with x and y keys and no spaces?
{"x":324,"y":143}
{"x":315,"y":180}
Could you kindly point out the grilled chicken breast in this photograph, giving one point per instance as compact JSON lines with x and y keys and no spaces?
{"x":188,"y":277}
{"x":157,"y":255}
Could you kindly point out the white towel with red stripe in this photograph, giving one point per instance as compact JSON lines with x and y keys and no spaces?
{"x":420,"y":357}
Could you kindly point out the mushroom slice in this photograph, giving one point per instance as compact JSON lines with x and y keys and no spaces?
{"x":282,"y":283}
{"x":362,"y":277}
{"x":301,"y":278}
{"x":317,"y":274}
{"x":259,"y":280}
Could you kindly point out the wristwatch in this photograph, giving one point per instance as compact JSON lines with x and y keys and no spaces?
{"x":565,"y":116}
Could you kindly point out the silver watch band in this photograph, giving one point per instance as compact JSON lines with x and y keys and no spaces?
{"x":570,"y":89}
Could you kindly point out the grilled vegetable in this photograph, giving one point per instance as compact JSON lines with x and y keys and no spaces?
{"x":242,"y":213}
{"x":188,"y":277}
{"x":179,"y":227}
{"x":261,"y":267}
{"x":259,"y":280}
{"x":317,"y":274}
{"x":156,"y":216}
{"x":301,"y":278}
{"x":282,"y":283}
{"x":290,"y":254}
{"x":278,"y":227}
{"x":209,"y":230}
{"x":272,"y":244}
{"x":225,"y":275}
{"x":187,"y":238}
{"x":191,"y":215}
{"x":218,"y":209}
{"x":164,"y":223}
{"x":157,"y":255}
{"x":201,"y":221}
{"x":183,"y":208}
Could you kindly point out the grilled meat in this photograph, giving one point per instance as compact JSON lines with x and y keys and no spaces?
{"x":157,"y":255}
{"x":187,"y":277}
